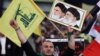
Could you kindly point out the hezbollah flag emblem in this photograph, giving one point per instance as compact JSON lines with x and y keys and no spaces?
{"x":28,"y":16}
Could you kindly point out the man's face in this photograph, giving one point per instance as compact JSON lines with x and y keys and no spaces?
{"x":69,"y":15}
{"x":47,"y":48}
{"x":57,"y":11}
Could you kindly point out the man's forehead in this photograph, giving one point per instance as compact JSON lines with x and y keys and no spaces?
{"x":68,"y":12}
{"x":57,"y":8}
{"x":47,"y":43}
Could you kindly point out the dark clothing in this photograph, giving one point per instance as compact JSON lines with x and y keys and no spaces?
{"x":68,"y":52}
{"x":28,"y":49}
{"x":78,"y":3}
{"x":12,"y":49}
{"x":76,"y":26}
{"x":1,"y":5}
{"x":30,"y":52}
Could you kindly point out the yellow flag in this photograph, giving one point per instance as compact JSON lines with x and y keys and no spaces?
{"x":38,"y":31}
{"x":9,"y":14}
{"x":28,"y":16}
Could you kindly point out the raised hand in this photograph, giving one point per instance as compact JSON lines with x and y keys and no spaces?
{"x":14,"y":24}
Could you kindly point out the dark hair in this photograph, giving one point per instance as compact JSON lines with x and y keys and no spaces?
{"x":74,"y":12}
{"x":61,"y":6}
{"x":46,"y":41}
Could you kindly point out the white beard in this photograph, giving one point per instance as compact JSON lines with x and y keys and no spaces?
{"x":67,"y":20}
{"x":55,"y":16}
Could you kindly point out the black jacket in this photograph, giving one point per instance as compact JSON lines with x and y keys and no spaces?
{"x":12,"y":49}
{"x":30,"y":52}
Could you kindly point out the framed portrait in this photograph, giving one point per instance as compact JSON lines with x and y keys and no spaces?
{"x":66,"y":14}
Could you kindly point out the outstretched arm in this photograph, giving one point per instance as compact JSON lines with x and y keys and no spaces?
{"x":71,"y":43}
{"x":71,"y":40}
{"x":25,"y":44}
{"x":21,"y":36}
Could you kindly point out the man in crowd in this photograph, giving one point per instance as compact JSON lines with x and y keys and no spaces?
{"x":47,"y":47}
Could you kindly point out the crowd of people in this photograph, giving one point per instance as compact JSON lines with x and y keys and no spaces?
{"x":53,"y":30}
